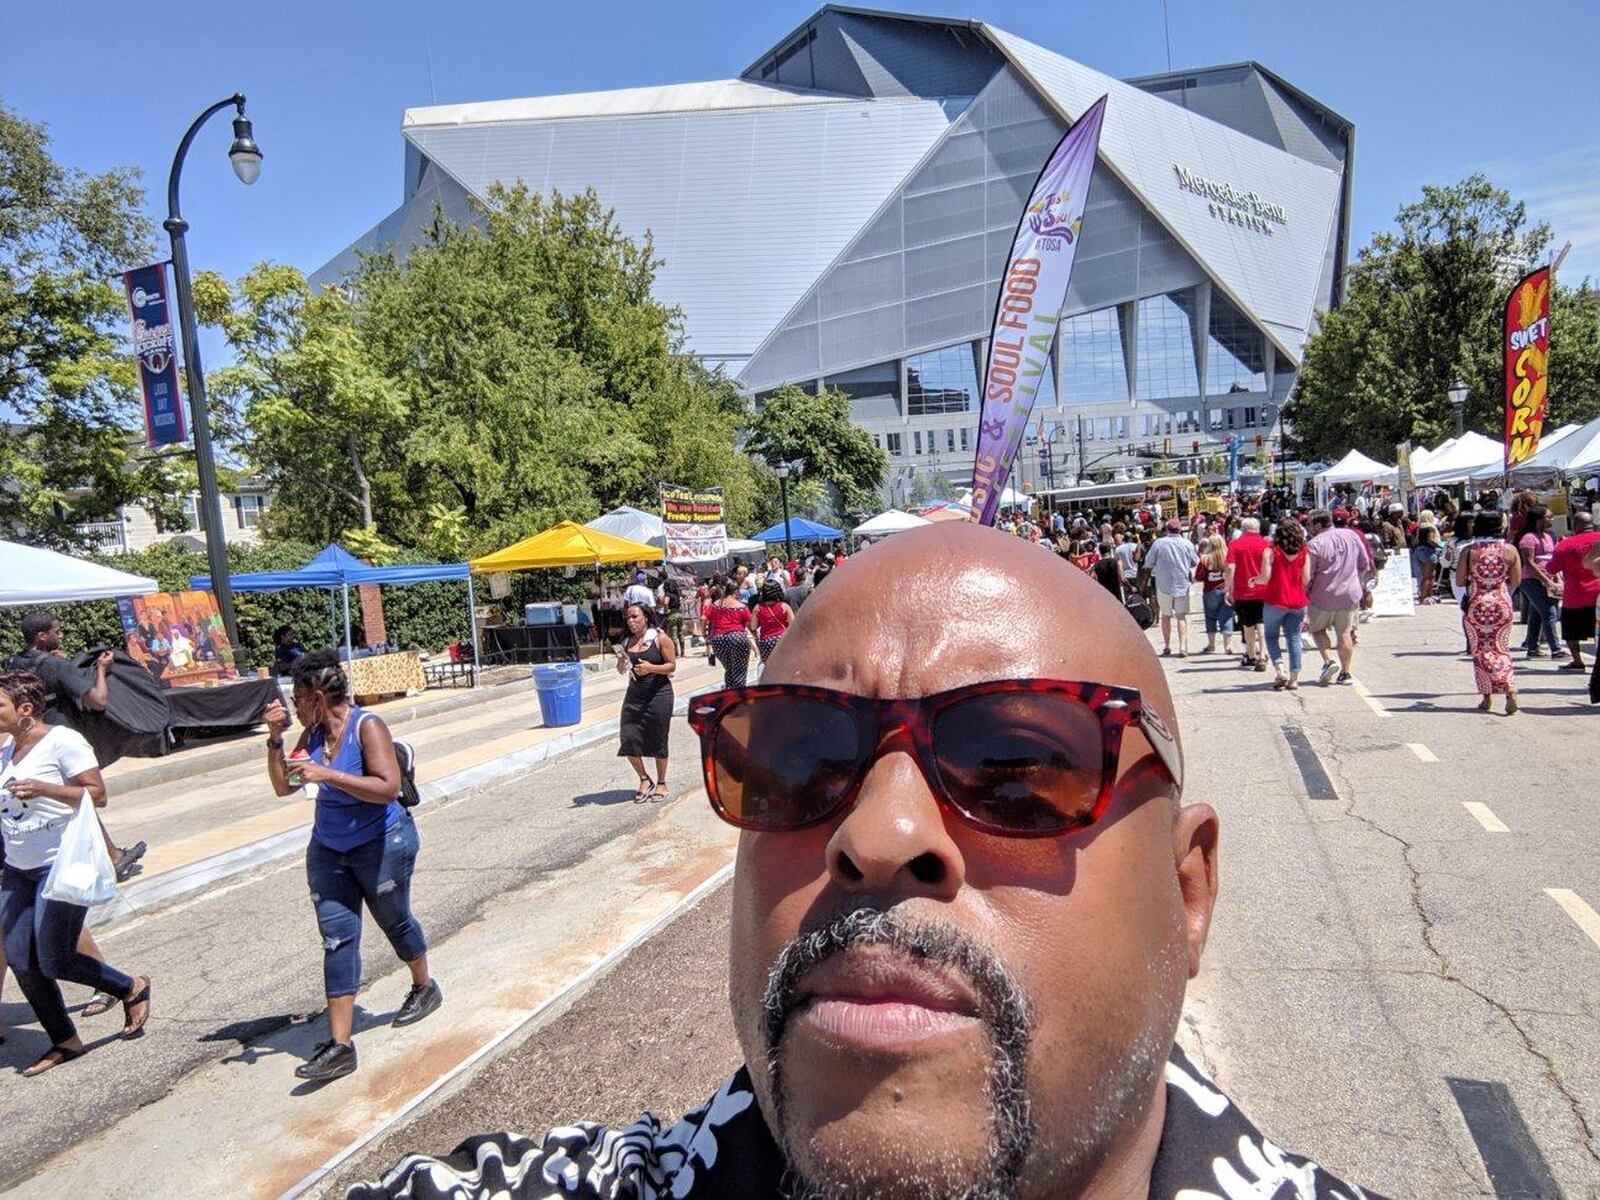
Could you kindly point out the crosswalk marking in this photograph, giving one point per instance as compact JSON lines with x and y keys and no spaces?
{"x":1485,"y":816}
{"x":1369,"y":699}
{"x":1585,"y":917}
{"x":1421,"y":751}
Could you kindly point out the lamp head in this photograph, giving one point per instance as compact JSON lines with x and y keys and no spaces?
{"x":244,"y":153}
{"x":783,"y":470}
{"x":1458,"y":393}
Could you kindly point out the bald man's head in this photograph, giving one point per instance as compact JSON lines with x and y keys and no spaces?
{"x":1072,"y":950}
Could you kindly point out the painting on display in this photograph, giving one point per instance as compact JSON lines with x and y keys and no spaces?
{"x":178,"y":636}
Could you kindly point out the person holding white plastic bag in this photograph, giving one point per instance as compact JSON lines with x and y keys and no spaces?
{"x":46,"y":772}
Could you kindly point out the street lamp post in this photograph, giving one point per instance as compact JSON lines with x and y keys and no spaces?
{"x":1458,"y":401}
{"x":246,"y":158}
{"x":1277,"y":419}
{"x":783,"y":496}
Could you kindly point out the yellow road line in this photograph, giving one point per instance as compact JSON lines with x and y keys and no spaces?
{"x":1368,"y":698}
{"x":1485,"y":816}
{"x":1421,"y":751}
{"x":1587,"y":919}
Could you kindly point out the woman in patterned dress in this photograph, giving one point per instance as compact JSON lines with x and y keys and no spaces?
{"x":1492,"y":571}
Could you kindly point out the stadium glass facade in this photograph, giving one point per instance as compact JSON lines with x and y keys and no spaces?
{"x":839,"y":216}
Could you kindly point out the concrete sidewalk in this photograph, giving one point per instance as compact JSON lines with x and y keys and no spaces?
{"x":207,"y":827}
{"x":522,"y":887}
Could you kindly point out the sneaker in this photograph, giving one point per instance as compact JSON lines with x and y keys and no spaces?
{"x":1345,"y":677}
{"x":419,"y":1002}
{"x":1534,"y":652}
{"x":332,"y":1060}
{"x":1573,"y":665}
{"x":1329,"y":670}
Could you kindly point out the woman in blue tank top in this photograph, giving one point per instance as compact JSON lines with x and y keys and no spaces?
{"x":363,"y":847}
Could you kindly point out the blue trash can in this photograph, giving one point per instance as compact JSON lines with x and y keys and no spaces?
{"x":560,"y":688}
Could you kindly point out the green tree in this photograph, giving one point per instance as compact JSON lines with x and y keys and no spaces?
{"x":1422,"y":309}
{"x":303,"y":401}
{"x":541,"y":378}
{"x":70,"y":449}
{"x":498,"y":379}
{"x":815,"y":435}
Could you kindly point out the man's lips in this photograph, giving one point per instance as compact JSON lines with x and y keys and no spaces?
{"x":880,"y":1000}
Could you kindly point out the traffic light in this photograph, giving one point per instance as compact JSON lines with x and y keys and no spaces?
{"x":1258,"y":441}
{"x":1195,"y":447}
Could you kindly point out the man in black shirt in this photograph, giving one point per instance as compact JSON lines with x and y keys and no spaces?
{"x":966,"y":905}
{"x":69,"y":687}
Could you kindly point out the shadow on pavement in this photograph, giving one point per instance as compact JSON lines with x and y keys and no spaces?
{"x":607,"y":797}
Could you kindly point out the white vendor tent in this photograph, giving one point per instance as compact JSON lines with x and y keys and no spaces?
{"x":33,"y":575}
{"x":631,"y":523}
{"x":892,"y":521}
{"x":1009,"y":498}
{"x":1420,"y":458}
{"x":1469,"y":453}
{"x":1354,"y":467}
{"x":1557,"y":450}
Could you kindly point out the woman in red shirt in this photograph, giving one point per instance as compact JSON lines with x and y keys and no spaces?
{"x":728,"y":625}
{"x":772,"y":615}
{"x":1285,"y":571}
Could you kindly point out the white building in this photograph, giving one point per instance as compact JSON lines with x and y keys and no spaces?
{"x":839,"y":215}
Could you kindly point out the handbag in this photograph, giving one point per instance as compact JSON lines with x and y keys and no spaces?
{"x":82,"y":873}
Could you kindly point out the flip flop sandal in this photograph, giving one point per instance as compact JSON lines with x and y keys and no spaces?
{"x":98,"y":1003}
{"x":658,"y":791}
{"x":43,"y":1063}
{"x":643,"y":793}
{"x":130,"y":859}
{"x":131,"y":1028}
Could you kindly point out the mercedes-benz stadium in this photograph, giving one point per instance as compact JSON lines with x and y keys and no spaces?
{"x":839,"y":216}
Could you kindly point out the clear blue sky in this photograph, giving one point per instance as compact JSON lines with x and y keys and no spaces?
{"x":1436,"y":88}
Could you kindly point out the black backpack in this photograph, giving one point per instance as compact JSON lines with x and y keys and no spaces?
{"x":407,"y":757}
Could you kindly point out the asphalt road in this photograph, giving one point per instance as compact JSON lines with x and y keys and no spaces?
{"x":1403,"y":978}
{"x":1389,"y":986}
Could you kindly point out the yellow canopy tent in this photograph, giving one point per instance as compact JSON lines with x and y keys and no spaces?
{"x":567,"y":545}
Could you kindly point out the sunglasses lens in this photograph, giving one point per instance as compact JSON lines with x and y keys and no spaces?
{"x":1021,"y":762}
{"x":784,"y":762}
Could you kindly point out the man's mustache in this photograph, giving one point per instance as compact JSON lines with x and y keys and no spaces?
{"x":1003,"y":1006}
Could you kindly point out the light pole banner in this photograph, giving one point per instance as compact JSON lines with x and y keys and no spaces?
{"x":156,"y":349}
{"x":1033,"y":291}
{"x":1527,"y":334}
{"x":693,"y":523}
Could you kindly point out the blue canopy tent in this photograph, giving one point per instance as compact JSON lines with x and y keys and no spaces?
{"x":337,"y":569}
{"x":800,"y":530}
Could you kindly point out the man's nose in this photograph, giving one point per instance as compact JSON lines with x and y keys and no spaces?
{"x":894,"y":839}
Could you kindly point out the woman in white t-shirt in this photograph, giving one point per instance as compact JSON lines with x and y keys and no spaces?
{"x":46,"y":771}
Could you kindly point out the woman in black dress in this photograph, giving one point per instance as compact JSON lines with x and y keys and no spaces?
{"x":650,"y":657}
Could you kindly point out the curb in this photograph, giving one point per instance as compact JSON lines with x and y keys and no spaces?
{"x":171,"y":885}
{"x":523,"y":1027}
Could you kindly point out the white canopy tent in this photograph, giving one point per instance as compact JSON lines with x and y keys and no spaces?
{"x":1009,"y":498}
{"x":631,"y":523}
{"x":1469,"y":453}
{"x":892,"y":521}
{"x":1420,"y":458}
{"x":1557,"y":449}
{"x":1354,"y":467}
{"x":637,"y":525}
{"x":33,"y":575}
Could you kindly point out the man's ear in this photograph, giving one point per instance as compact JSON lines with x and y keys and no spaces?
{"x":1194,"y":855}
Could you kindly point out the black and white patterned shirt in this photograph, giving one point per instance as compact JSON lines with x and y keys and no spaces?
{"x":723,"y":1149}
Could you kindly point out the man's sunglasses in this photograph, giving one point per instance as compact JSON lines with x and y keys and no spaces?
{"x":1013,"y":757}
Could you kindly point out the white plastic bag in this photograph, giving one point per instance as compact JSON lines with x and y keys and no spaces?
{"x":82,"y":873}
